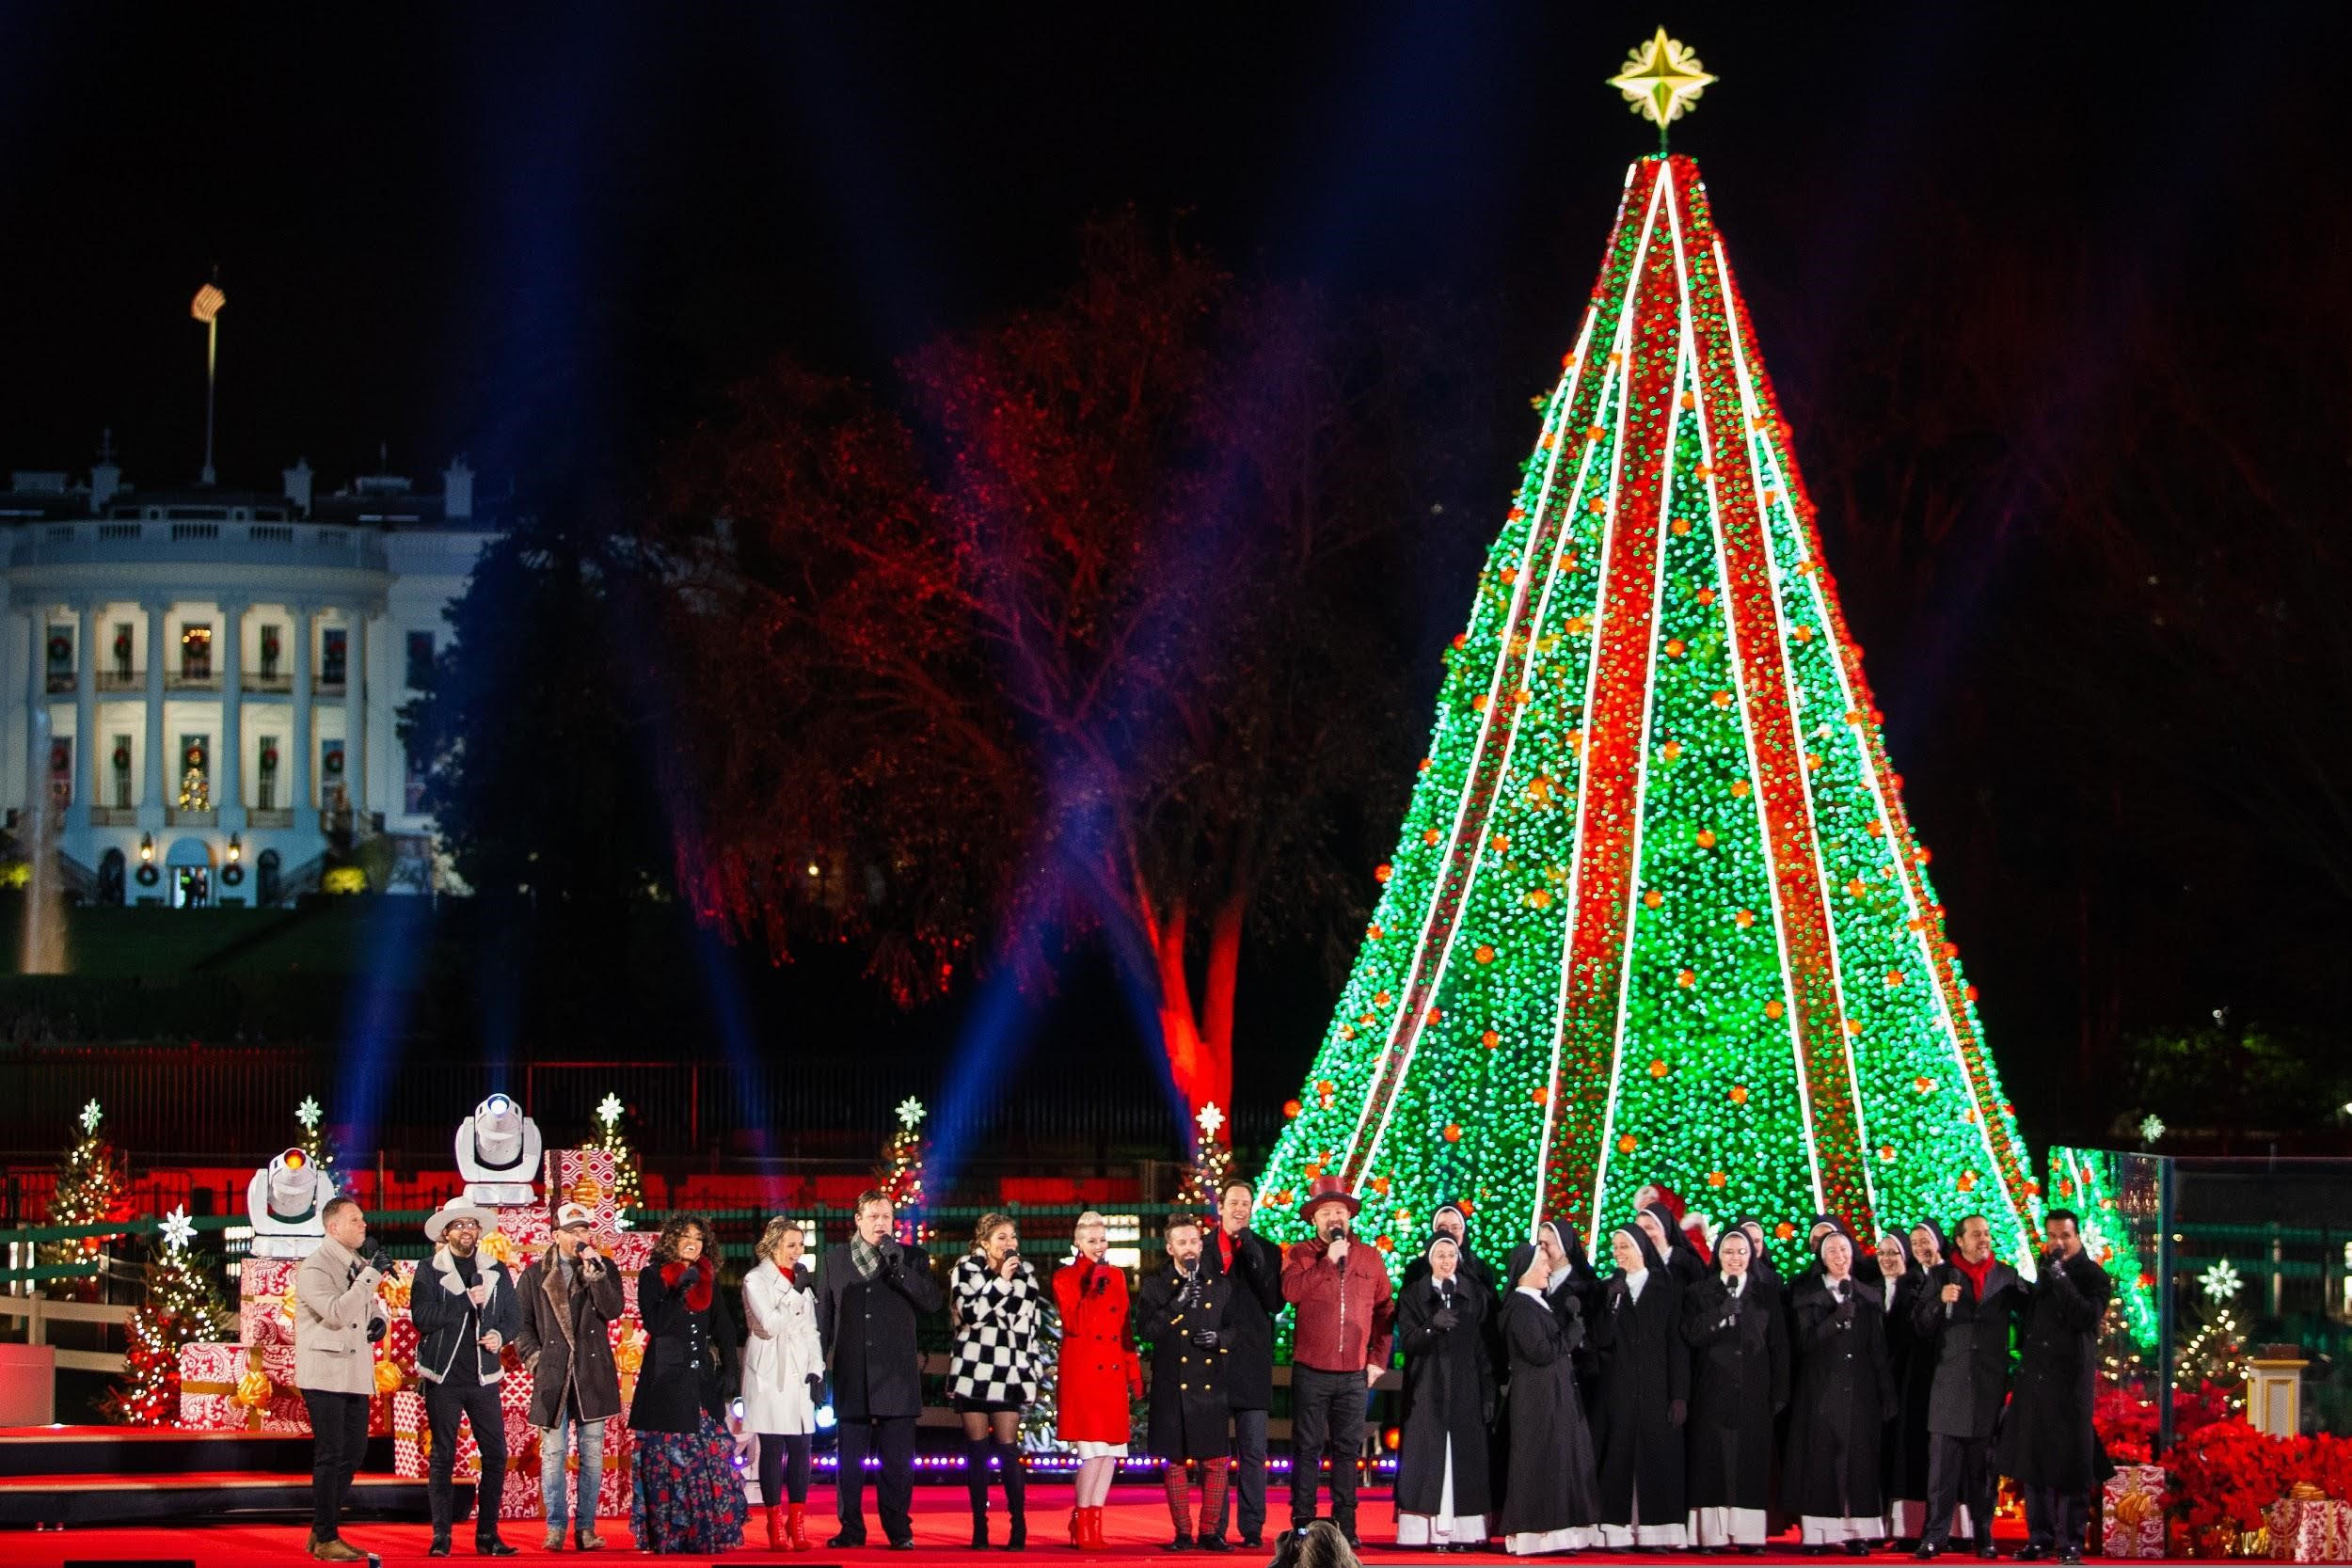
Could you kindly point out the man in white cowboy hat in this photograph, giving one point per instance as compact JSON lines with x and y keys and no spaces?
{"x":1339,"y":1348}
{"x":466,"y":1310}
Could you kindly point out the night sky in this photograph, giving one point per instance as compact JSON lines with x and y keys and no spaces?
{"x":550,"y":238}
{"x":529,"y":234}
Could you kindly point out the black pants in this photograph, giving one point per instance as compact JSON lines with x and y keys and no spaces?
{"x":338,"y":1439}
{"x":783,"y":1469}
{"x":1326,"y":1419}
{"x":1249,"y":1471}
{"x":444,"y":1402}
{"x":892,"y":1437}
{"x":1960,"y":1471}
{"x":2054,"y":1519}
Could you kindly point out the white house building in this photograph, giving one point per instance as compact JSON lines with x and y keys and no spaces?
{"x":206,"y":682}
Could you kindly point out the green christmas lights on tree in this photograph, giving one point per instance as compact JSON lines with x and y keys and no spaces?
{"x":2089,"y":1182}
{"x":1211,"y":1163}
{"x":182,"y":1308}
{"x":1657,"y":913}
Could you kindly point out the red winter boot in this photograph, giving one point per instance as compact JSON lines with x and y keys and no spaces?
{"x":775,"y":1527}
{"x":796,"y":1529}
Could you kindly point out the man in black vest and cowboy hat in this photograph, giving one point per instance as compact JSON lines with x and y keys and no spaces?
{"x":1339,"y":1349}
{"x":466,"y":1310}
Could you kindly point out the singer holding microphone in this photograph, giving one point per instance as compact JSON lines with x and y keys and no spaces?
{"x":335,"y":1318}
{"x":1963,"y":1318}
{"x":465,"y":1310}
{"x":869,"y":1294}
{"x":1339,"y":1349}
{"x":571,"y":1294}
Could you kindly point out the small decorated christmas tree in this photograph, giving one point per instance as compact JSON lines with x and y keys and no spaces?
{"x":89,"y":1188}
{"x":182,"y":1308}
{"x":316,"y":1145}
{"x":901,"y":1176}
{"x":628,"y":1185}
{"x":2215,"y":1352}
{"x":1211,"y":1159}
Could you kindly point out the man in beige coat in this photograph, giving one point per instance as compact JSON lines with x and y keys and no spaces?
{"x":337,"y":1317}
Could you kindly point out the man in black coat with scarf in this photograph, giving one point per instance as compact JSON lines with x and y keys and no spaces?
{"x":2047,"y":1444}
{"x":1239,"y":1253}
{"x":1963,"y":1319}
{"x":870,"y":1290}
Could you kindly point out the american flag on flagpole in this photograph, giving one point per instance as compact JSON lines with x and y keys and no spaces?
{"x":209,"y":299}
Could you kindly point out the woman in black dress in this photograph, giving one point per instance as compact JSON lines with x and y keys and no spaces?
{"x":1845,"y":1393}
{"x":1443,"y":1492}
{"x":1551,"y":1498}
{"x":1739,"y":1383}
{"x":685,"y":1494}
{"x":1644,"y":1390}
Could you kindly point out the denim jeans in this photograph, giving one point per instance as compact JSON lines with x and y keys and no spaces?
{"x":553,"y":1444}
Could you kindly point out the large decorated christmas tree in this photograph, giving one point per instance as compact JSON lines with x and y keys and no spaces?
{"x":1657,"y":913}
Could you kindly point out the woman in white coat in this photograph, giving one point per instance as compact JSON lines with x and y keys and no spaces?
{"x":784,"y":1375}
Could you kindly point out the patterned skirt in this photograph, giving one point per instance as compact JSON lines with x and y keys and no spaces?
{"x":685,"y":1494}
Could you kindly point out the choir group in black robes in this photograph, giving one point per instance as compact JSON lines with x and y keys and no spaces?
{"x":1710,"y":1403}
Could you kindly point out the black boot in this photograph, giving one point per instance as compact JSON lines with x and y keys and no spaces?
{"x":1016,"y":1482}
{"x":976,"y":1488}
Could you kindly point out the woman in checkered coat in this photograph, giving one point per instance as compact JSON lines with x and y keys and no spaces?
{"x":994,"y":1307}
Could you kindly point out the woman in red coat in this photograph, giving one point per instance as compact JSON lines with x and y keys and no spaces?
{"x":1098,"y":1371}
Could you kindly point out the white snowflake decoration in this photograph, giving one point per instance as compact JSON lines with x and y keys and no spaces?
{"x":2221,"y":1281}
{"x":1210,"y":1118}
{"x":90,"y":1115}
{"x":178,"y":1229}
{"x":910,"y":1112}
{"x":307,"y":1113}
{"x":608,"y":1109}
{"x":2151,"y":1129}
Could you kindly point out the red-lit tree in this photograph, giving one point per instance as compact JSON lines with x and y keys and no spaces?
{"x":1091,"y":654}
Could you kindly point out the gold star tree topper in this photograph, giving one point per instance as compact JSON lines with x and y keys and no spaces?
{"x":1662,"y":80}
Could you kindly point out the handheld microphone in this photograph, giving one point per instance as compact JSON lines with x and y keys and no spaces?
{"x":1335,"y":1231}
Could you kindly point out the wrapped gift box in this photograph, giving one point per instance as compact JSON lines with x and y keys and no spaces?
{"x":412,"y":1441}
{"x":526,"y":1224}
{"x":2315,"y":1531}
{"x":262,"y":1287}
{"x":586,"y":1176}
{"x":2132,"y":1511}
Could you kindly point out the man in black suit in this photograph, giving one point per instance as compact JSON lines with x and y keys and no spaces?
{"x":1251,"y":1263}
{"x":1964,"y":1315}
{"x":2047,"y":1443}
{"x":869,"y":1292}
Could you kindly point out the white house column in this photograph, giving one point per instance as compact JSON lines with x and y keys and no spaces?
{"x":88,"y":778}
{"x":298,"y":785}
{"x":356,"y":722}
{"x":35,"y":700}
{"x":151,"y":795}
{"x":230,"y":795}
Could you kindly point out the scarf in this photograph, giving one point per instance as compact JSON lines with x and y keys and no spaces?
{"x":865,"y":1257}
{"x":697,"y":1289}
{"x":1976,"y":1272}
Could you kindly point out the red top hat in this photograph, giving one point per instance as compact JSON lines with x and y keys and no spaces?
{"x":1328,"y":1189}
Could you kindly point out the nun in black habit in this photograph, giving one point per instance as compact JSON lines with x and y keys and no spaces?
{"x":1903,"y":1445}
{"x":1668,"y":1239}
{"x":1450,"y":1221}
{"x":1443,"y":1493}
{"x":1739,"y":1383}
{"x":1550,"y":1495}
{"x":1845,"y":1393}
{"x":1643,"y":1403}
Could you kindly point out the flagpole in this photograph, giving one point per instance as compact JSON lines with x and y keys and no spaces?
{"x":212,"y":362}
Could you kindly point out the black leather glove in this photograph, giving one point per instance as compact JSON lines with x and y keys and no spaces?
{"x":377,"y":1328}
{"x":815,"y":1387}
{"x":1676,"y":1413}
{"x":1845,"y":1311}
{"x":1569,"y":1305}
{"x":1444,"y":1318}
{"x":1204,"y":1338}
